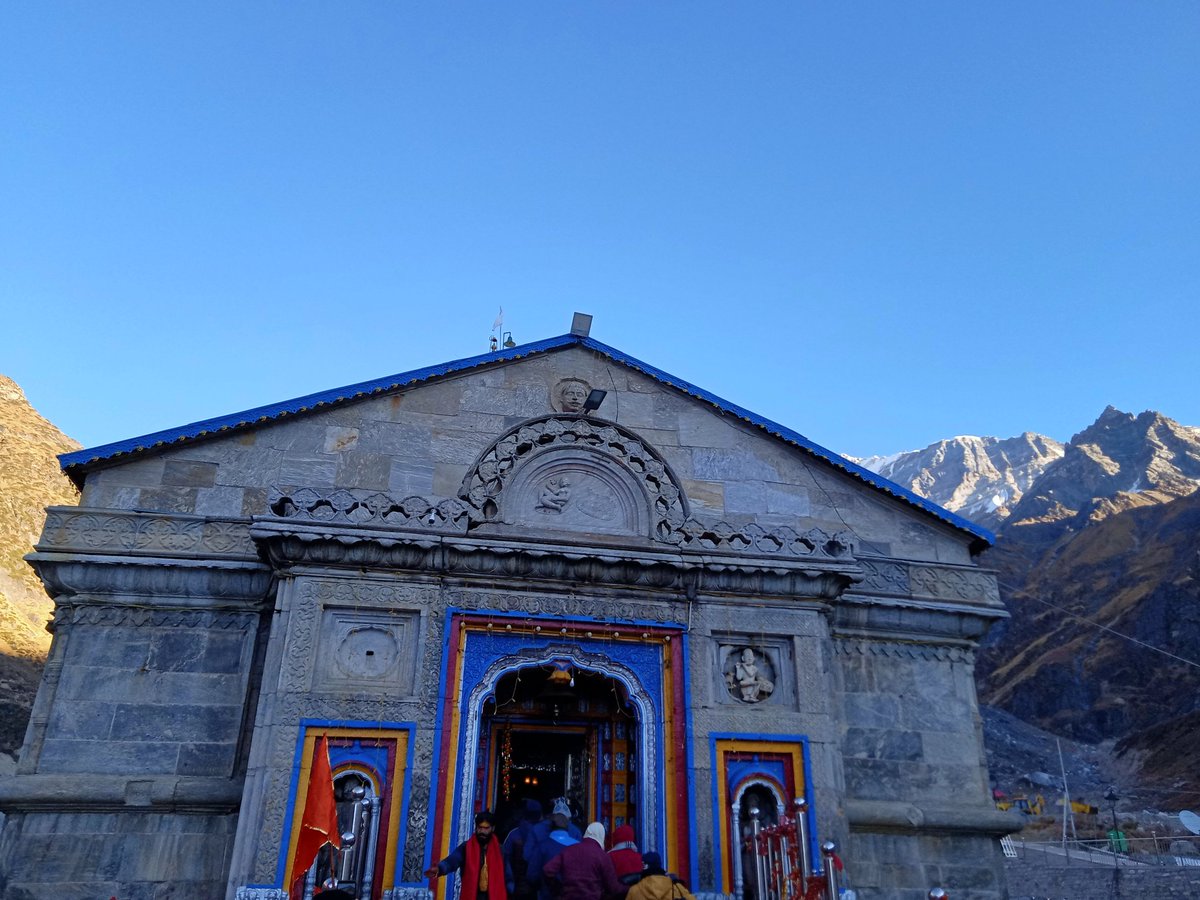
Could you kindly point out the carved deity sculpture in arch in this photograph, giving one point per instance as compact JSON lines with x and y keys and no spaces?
{"x":575,"y":489}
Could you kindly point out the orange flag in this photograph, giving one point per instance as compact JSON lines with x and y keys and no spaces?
{"x":319,"y":825}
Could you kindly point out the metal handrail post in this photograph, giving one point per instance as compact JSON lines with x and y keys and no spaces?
{"x":832,"y":888}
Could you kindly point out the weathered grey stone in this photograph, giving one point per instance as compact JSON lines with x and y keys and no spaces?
{"x":406,"y":478}
{"x":730,"y":465}
{"x":636,"y":411}
{"x":187,"y":473}
{"x":310,"y":471}
{"x":175,"y":722}
{"x":397,"y":439}
{"x":220,"y":501}
{"x":874,"y":743}
{"x":108,"y":756}
{"x":706,"y":495}
{"x":206,"y":759}
{"x":104,"y":495}
{"x":369,"y":471}
{"x":168,"y":499}
{"x":258,"y":467}
{"x":81,"y":720}
{"x":871,"y":710}
{"x":340,"y":439}
{"x":447,"y":479}
{"x":700,"y":428}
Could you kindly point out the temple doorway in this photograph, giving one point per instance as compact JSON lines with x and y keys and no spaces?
{"x":555,"y":730}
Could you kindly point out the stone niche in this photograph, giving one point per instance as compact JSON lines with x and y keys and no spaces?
{"x":367,"y":649}
{"x":751,"y":670}
{"x":577,"y":490}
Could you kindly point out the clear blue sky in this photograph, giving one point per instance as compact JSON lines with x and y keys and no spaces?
{"x":879,"y":223}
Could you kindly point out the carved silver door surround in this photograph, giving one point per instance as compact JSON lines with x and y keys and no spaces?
{"x":647,"y":742}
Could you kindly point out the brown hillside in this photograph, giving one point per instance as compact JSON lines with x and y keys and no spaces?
{"x":30,"y":480}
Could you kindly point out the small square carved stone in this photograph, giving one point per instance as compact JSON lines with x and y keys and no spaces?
{"x":367,"y":649}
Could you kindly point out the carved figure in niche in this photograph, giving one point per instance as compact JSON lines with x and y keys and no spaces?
{"x":752,"y":685}
{"x":570,"y":393}
{"x":555,"y":495}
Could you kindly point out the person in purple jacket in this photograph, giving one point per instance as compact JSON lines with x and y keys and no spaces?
{"x":584,"y":870}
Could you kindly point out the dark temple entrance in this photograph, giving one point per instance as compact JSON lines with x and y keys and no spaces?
{"x":557,"y":731}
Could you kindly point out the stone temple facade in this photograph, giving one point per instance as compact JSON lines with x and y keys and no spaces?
{"x":482,"y":587}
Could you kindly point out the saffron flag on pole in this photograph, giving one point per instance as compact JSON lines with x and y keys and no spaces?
{"x":318,"y":825}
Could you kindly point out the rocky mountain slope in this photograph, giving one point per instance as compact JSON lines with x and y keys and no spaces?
{"x":980,"y":478}
{"x":30,"y":480}
{"x":1098,"y":564}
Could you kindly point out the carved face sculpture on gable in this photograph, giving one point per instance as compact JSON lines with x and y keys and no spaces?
{"x":569,"y":395}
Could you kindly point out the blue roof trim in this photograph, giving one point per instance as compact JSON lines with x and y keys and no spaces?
{"x":73,"y":462}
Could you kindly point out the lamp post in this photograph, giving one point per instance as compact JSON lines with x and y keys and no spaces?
{"x":1112,"y":798}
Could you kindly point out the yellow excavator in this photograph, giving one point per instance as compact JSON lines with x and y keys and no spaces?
{"x":1031,"y":807}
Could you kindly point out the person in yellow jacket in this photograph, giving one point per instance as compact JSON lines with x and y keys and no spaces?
{"x":656,"y":884}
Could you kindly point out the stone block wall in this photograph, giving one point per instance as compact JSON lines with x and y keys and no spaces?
{"x":149,"y":700}
{"x":911,"y":724}
{"x":1028,"y":880}
{"x":907,"y":866}
{"x":133,"y":856}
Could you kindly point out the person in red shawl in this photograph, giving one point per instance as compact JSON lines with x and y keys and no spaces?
{"x":624,"y":853}
{"x":485,"y":873}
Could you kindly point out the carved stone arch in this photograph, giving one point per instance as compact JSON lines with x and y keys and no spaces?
{"x":619,"y":467}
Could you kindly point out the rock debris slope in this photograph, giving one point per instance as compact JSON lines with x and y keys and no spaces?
{"x":30,"y":480}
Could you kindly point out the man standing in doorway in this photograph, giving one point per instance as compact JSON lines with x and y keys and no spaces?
{"x":484,"y":873}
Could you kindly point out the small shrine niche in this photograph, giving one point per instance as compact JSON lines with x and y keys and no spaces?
{"x":749,"y":672}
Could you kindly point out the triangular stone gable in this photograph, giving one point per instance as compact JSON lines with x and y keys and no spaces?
{"x":424,"y":440}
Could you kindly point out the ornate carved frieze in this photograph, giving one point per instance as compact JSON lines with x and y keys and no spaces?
{"x":883,"y":576}
{"x":361,"y":508}
{"x":901,"y":650}
{"x":163,"y":617}
{"x":70,"y":528}
{"x":261,"y":893}
{"x":408,"y":893}
{"x":899,"y":578}
{"x":785,"y":542}
{"x":290,"y":544}
{"x":601,"y":608}
{"x":946,"y":583}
